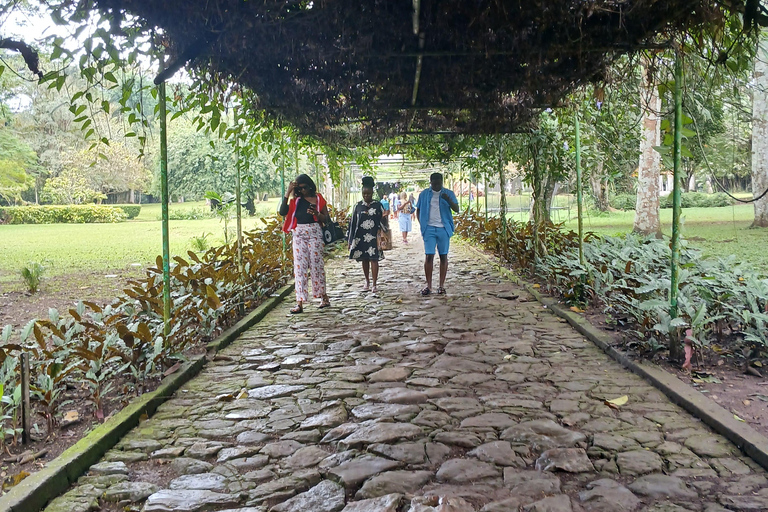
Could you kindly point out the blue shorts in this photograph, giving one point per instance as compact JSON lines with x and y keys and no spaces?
{"x":436,"y":236}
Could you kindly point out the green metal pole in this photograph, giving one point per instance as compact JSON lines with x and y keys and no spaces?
{"x":477,"y":193}
{"x":674,"y":346}
{"x":164,"y":210}
{"x":579,"y":191}
{"x":485,"y":195}
{"x":502,"y":200}
{"x":238,"y":195}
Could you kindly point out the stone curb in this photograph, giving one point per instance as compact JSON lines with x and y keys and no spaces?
{"x":747,"y":439}
{"x":34,"y":492}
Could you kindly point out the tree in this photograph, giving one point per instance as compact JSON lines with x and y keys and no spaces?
{"x":647,"y":220}
{"x":112,"y":169}
{"x":70,"y":187}
{"x":17,"y":161}
{"x":760,"y":135}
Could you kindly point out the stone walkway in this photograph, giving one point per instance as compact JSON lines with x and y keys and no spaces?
{"x":475,"y":401}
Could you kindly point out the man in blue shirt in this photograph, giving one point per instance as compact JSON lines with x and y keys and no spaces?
{"x":434,"y":209}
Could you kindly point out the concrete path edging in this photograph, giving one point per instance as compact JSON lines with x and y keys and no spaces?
{"x":747,"y":439}
{"x":35,"y":491}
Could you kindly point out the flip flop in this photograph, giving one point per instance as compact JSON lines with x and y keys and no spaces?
{"x":296,"y":310}
{"x":324,"y":305}
{"x":441,"y":291}
{"x":366,"y":288}
{"x":426,"y":291}
{"x":375,"y":289}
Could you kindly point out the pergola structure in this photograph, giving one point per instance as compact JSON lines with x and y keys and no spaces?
{"x":414,"y":66}
{"x":367,"y":70}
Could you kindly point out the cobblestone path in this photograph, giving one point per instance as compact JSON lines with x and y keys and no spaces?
{"x":475,"y":401}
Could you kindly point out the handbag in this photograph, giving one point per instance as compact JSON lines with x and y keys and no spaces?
{"x":332,"y":232}
{"x":384,"y":239}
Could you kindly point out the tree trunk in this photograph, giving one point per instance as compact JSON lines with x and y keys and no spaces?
{"x":599,"y":187}
{"x":647,"y":207}
{"x":760,"y":135}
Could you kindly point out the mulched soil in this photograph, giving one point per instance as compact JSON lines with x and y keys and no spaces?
{"x":744,"y":395}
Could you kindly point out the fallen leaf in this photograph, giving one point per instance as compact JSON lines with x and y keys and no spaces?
{"x":508,"y":357}
{"x":740,"y":419}
{"x":227,"y":397}
{"x":720,"y":362}
{"x":757,"y":363}
{"x":746,"y":402}
{"x":617,"y":402}
{"x":143,"y":417}
{"x":536,"y":286}
{"x":16,"y":479}
{"x":172,"y":369}
{"x":760,"y":397}
{"x":243,"y":394}
{"x":71,"y":416}
{"x":576,"y":309}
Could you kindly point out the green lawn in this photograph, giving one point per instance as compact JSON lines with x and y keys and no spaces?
{"x":72,"y":248}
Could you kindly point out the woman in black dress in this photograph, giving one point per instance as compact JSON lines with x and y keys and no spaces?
{"x":363,"y":228}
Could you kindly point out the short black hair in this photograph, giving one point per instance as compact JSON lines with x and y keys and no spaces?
{"x":368,"y":182}
{"x":435,"y":175}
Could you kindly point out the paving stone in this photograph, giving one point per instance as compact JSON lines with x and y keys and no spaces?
{"x":171,"y":452}
{"x":375,"y":411}
{"x":409,"y":453}
{"x":709,"y":446}
{"x":542,"y":435}
{"x":398,"y":396}
{"x":274,"y":391}
{"x":388,"y":503}
{"x":280,"y":449}
{"x":745,"y":502}
{"x":130,"y":491}
{"x":570,"y":460}
{"x":608,"y":496}
{"x":326,"y":496}
{"x":305,"y":457}
{"x":499,"y":453}
{"x":491,"y":420}
{"x":393,"y":482}
{"x":202,"y":481}
{"x":235,"y":453}
{"x":662,"y":486}
{"x":380,"y":433}
{"x":391,"y":374}
{"x":187,"y":466}
{"x":560,"y":503}
{"x":109,"y":468}
{"x":253,"y":437}
{"x":188,"y":501}
{"x":531,"y":483}
{"x":461,"y":471}
{"x":354,"y":472}
{"x":639,"y":462}
{"x":463,"y":439}
{"x":440,"y":504}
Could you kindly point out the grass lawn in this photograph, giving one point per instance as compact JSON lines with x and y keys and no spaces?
{"x":75,"y":248}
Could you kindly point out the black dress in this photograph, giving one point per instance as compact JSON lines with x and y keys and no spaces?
{"x":363,"y":227}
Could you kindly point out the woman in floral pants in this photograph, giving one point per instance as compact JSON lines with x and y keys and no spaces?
{"x":304,"y":212}
{"x":363,"y":228}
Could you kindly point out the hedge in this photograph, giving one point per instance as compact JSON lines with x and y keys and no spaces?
{"x":687,"y":200}
{"x":55,"y":214}
{"x":131,"y":210}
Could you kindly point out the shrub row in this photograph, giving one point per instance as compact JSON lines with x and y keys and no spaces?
{"x":95,"y":348}
{"x":687,"y":200}
{"x":131,"y":210}
{"x":67,"y":214}
{"x":628,"y":277}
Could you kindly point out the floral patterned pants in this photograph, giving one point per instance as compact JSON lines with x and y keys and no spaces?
{"x":308,"y":256}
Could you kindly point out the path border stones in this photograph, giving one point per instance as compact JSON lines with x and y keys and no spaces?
{"x":747,"y":439}
{"x":34,"y":492}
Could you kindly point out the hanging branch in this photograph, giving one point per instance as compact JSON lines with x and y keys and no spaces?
{"x":27,"y":52}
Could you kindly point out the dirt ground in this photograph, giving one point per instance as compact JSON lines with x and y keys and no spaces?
{"x":61,"y":292}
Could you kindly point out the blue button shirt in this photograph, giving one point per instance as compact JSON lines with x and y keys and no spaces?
{"x":446,"y":214}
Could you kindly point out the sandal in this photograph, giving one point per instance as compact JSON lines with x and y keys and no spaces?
{"x":298,"y":309}
{"x":367,"y":287}
{"x":441,"y":291}
{"x":375,"y":289}
{"x":426,"y":291}
{"x":325,"y":304}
